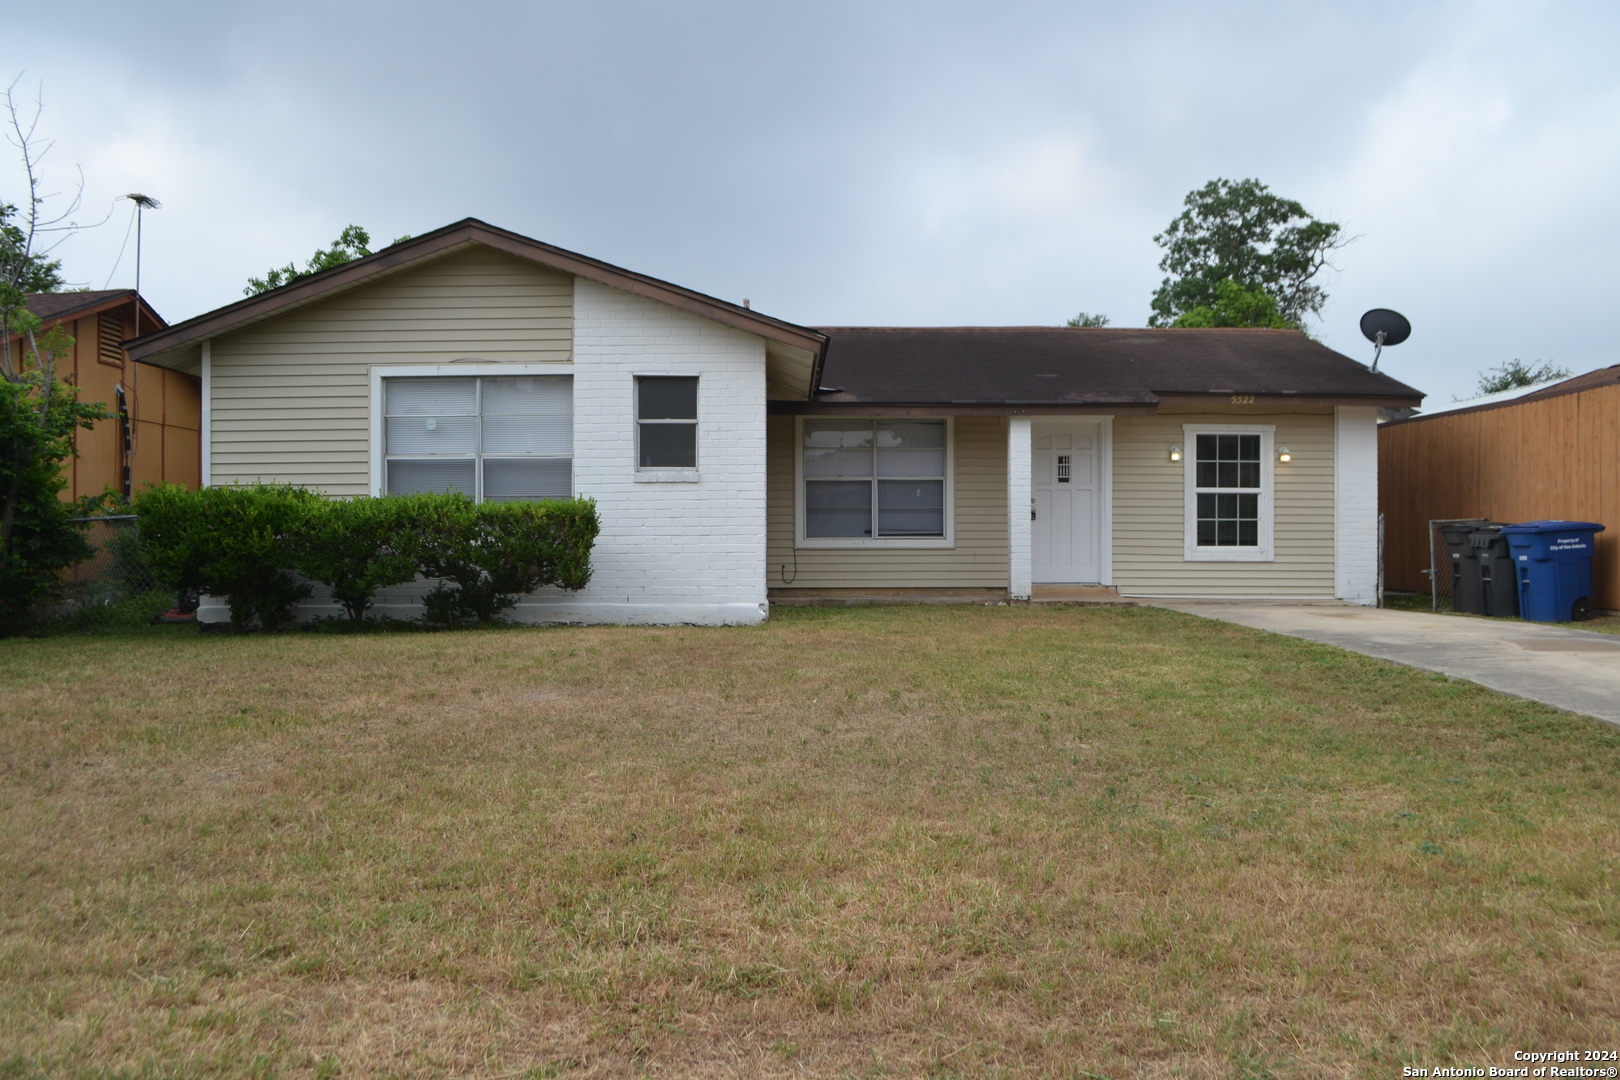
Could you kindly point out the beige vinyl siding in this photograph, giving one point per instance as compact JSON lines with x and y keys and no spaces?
{"x":291,"y":396}
{"x":979,"y":559}
{"x":1150,"y":510}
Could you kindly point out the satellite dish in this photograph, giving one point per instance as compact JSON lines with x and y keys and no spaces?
{"x":1382,"y":326}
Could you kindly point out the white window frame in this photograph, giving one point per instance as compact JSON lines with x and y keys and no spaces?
{"x":664,"y":474}
{"x":1265,"y":550}
{"x":379,"y":472}
{"x":882,"y":542}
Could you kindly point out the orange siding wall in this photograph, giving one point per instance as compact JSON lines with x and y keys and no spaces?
{"x":1557,"y":458}
{"x":166,"y":407}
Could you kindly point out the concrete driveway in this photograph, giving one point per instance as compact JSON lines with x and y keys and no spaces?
{"x":1576,"y":670}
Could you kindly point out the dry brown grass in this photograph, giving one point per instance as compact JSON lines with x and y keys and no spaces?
{"x":893,"y":841}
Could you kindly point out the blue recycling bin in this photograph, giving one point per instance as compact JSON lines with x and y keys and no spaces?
{"x":1554,"y":564}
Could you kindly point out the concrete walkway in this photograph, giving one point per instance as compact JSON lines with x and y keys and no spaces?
{"x":1576,"y":670}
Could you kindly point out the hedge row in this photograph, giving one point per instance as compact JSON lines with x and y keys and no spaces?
{"x":259,"y":546}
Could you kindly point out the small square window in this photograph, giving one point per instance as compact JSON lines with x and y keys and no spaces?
{"x":666,"y":422}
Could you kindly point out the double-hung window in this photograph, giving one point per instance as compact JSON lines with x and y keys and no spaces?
{"x":494,"y":439}
{"x":666,"y":422}
{"x":875,"y":481}
{"x":1229,"y":494}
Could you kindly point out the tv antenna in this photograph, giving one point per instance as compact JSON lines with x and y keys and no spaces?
{"x":1382,"y":326}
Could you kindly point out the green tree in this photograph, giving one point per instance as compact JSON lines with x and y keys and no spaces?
{"x":352,"y":243}
{"x":1240,"y":231}
{"x":1236,"y":306}
{"x":28,"y":233}
{"x":38,"y":538}
{"x":1085,"y":318}
{"x":1516,"y":373}
{"x":38,"y":414}
{"x":26,"y":273}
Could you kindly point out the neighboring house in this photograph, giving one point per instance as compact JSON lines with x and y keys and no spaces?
{"x":1547,"y":454}
{"x":155,"y":434}
{"x":737,"y":458}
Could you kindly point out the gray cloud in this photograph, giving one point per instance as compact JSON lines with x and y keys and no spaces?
{"x":870,"y":163}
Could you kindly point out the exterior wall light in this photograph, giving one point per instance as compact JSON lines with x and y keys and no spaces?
{"x":1175,"y":453}
{"x":1284,"y":455}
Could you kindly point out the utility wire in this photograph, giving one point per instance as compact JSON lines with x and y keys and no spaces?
{"x":132,"y":212}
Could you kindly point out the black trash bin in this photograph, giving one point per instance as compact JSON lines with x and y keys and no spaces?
{"x":1465,"y":584}
{"x":1498,"y":580}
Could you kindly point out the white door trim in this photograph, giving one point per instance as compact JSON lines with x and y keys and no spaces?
{"x":1105,"y":500}
{"x":1019,"y":533}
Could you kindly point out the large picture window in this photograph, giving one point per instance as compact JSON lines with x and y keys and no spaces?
{"x":1229,"y":495}
{"x":494,"y":439}
{"x":875,"y":480}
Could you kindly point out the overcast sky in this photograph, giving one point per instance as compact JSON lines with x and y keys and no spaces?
{"x":866,"y":163}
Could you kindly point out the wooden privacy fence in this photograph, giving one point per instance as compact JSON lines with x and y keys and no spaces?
{"x":1528,"y":460}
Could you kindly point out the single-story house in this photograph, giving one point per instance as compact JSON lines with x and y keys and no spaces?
{"x":154,"y":434}
{"x":1545,"y":454}
{"x":739,"y":459}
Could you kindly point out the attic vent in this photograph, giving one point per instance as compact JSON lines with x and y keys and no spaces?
{"x":112,"y":332}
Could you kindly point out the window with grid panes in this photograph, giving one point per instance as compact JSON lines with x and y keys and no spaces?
{"x":874,"y":478}
{"x":1227,"y":473}
{"x":494,"y":439}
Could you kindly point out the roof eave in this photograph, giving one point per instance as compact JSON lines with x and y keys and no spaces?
{"x":1123,"y":405}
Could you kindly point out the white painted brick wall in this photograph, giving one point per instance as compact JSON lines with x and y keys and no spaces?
{"x":670,"y":551}
{"x":1020,"y":535}
{"x":1355,"y":504}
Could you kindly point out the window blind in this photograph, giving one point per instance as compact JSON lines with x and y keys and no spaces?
{"x":494,"y":439}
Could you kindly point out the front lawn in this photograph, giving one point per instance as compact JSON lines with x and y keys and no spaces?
{"x":868,"y":842}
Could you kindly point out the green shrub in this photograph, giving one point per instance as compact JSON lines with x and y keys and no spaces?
{"x":38,"y":539}
{"x":488,"y":555}
{"x":356,"y":546}
{"x":237,"y":542}
{"x":250,"y":543}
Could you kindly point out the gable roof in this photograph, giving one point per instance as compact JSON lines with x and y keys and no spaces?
{"x":57,"y":306}
{"x":1012,"y":367}
{"x":1592,"y":380}
{"x":176,"y":340}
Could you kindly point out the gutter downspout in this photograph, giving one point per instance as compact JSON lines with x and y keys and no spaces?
{"x":207,"y":433}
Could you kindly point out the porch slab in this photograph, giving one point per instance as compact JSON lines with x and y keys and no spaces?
{"x":1078,"y":594}
{"x":1577,"y":670}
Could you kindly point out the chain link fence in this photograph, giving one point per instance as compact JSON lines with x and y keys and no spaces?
{"x":114,"y":587}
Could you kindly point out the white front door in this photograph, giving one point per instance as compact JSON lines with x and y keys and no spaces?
{"x":1064,"y":477}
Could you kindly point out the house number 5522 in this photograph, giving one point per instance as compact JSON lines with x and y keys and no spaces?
{"x":1243,"y":399}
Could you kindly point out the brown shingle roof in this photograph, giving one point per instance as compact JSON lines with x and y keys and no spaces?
{"x":51,"y":307}
{"x":1043,"y":365}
